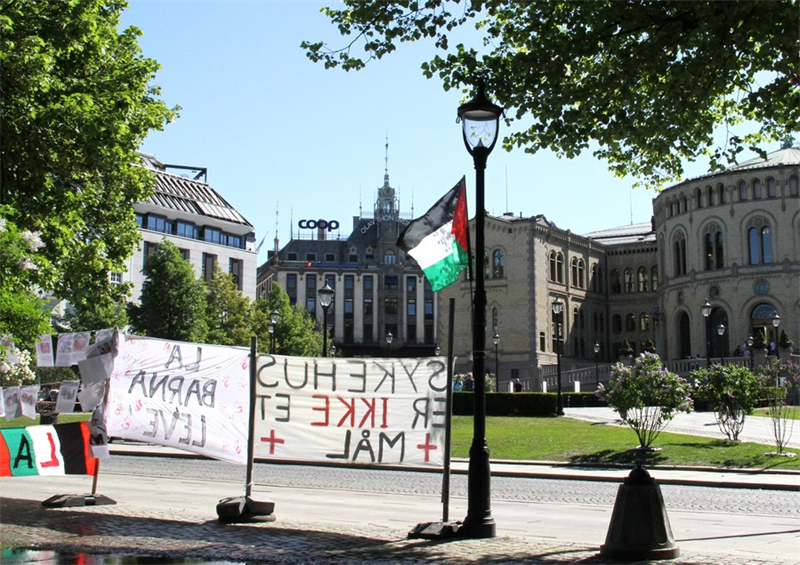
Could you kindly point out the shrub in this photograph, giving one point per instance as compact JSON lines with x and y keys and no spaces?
{"x":646,"y":396}
{"x":732,"y":392}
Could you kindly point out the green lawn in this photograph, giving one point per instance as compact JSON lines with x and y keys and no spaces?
{"x":575,"y":441}
{"x":793,"y":412}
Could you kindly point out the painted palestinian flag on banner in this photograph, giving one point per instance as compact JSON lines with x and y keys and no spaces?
{"x":46,"y":450}
{"x":438,"y":240}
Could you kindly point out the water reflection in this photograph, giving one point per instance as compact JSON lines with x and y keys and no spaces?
{"x":31,"y":557}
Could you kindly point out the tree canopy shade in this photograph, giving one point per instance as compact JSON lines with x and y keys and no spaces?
{"x":75,"y":105}
{"x":649,"y":81}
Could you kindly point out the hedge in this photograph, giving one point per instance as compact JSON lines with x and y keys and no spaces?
{"x":522,"y":403}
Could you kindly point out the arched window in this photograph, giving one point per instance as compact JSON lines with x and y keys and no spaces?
{"x":616,"y":324}
{"x":498,"y":264}
{"x":698,"y":198}
{"x":654,"y":277}
{"x":742,"y":190}
{"x":601,"y":282}
{"x":759,"y":239}
{"x":582,"y":324}
{"x":793,"y":190}
{"x":644,"y":322}
{"x":581,"y":273}
{"x":560,"y":267}
{"x":671,"y":208}
{"x":487,"y":266}
{"x":721,"y":194}
{"x":710,"y":195}
{"x":713,"y":248}
{"x":641,"y":280}
{"x":772,"y":189}
{"x":574,"y":264}
{"x":628,"y":279}
{"x":494,"y":319}
{"x":630,"y":322}
{"x":756,"y":189}
{"x":616,"y":287}
{"x":679,"y":255}
{"x":553,"y":266}
{"x":594,"y":277}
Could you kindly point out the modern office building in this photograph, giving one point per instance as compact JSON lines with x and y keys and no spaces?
{"x":187,"y":211}
{"x":383,"y":305}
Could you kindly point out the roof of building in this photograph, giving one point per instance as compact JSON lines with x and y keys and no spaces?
{"x":786,"y":156}
{"x":633,"y":233}
{"x":184,"y":194}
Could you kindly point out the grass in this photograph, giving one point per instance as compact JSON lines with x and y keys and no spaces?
{"x":792,"y":412}
{"x":575,"y":441}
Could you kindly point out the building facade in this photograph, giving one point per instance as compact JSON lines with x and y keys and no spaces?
{"x":199,"y":221}
{"x":382,"y":306}
{"x":732,"y":238}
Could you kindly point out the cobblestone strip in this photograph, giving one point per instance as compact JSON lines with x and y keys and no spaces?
{"x":117,"y":530}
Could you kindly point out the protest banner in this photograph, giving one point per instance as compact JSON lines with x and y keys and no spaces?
{"x":189,"y":396}
{"x":364,"y":411}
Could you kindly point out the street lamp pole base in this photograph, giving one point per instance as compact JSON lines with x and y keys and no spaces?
{"x":72,"y":500}
{"x":479,"y":522}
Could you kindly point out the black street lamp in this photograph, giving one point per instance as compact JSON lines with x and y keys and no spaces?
{"x":596,"y":365}
{"x":325,"y":299}
{"x":496,"y":358}
{"x":706,"y":310}
{"x":558,"y":310}
{"x":750,"y":342}
{"x":480,"y":123}
{"x":389,"y":340}
{"x":776,"y":323}
{"x":274,"y":318}
{"x":721,"y":332}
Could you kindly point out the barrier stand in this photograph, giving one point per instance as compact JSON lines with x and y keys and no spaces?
{"x":245,"y":508}
{"x":444,"y":529}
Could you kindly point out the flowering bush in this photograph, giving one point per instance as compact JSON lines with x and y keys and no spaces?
{"x":733,"y":391}
{"x":646,"y":396}
{"x":17,"y":374}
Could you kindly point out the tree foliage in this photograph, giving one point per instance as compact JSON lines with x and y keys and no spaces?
{"x":647,"y":81}
{"x":75,"y":105}
{"x":173,"y":301}
{"x":22,"y":312}
{"x":296,"y":333}
{"x":228,"y":313}
{"x":646,"y":396}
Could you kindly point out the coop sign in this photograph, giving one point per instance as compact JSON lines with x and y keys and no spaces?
{"x":329,"y":225}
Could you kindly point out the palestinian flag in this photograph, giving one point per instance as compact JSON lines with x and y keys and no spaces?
{"x":438,"y":240}
{"x":62,"y":449}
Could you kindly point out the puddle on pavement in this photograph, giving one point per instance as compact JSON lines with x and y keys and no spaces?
{"x":31,"y":557}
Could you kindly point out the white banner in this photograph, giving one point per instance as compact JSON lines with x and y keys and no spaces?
{"x":190,"y":396}
{"x":373,"y":411}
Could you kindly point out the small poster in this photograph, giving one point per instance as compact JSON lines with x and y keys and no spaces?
{"x":28,"y":396}
{"x":44,"y":351}
{"x":11,"y":402}
{"x":67,"y":396}
{"x":92,"y":395}
{"x":64,"y":350}
{"x":12,"y":354}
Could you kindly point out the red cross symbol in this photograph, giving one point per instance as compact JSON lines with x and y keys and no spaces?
{"x":427,"y":447}
{"x":272,"y":440}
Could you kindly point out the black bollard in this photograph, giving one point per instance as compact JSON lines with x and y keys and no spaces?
{"x":639,"y":526}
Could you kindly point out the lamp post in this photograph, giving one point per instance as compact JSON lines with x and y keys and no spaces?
{"x":480,"y":120}
{"x":333,"y":350}
{"x":720,"y":333}
{"x":558,"y":310}
{"x":389,"y":340}
{"x":496,"y":358}
{"x":274,"y":318}
{"x":596,"y":365}
{"x":750,"y":342}
{"x":706,"y":310}
{"x":325,"y":298}
{"x":776,"y":323}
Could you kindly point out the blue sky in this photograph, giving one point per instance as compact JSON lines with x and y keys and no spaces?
{"x":280,"y":134}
